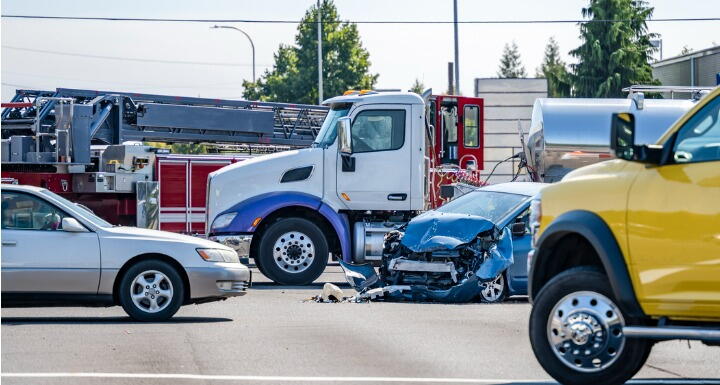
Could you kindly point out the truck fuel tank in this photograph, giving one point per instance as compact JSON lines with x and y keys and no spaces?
{"x":369,"y":238}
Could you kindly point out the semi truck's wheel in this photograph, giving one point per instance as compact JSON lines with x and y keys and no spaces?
{"x":293,"y":251}
{"x":151,"y":290}
{"x":576,"y":331}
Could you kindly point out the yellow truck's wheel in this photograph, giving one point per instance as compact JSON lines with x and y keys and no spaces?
{"x":576,"y":331}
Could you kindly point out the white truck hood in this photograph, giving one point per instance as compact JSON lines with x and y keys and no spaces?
{"x":237,"y":182}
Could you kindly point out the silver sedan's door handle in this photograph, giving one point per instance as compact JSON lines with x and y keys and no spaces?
{"x":9,"y":243}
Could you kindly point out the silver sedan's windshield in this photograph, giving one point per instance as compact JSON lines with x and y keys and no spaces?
{"x":491,"y":205}
{"x":80,"y":211}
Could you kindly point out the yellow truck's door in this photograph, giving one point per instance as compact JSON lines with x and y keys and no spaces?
{"x":673,"y":219}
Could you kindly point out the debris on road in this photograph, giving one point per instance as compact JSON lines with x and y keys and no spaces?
{"x":332,"y":293}
{"x":438,"y":256}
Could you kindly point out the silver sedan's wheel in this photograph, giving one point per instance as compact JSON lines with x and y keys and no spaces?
{"x":151,"y":291}
{"x":585,"y":331}
{"x":493,"y":291}
{"x":293,"y":252}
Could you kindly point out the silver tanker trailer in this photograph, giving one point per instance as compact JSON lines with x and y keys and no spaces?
{"x":566,"y":134}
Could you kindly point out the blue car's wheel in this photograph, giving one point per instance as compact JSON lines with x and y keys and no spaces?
{"x":494,"y":291}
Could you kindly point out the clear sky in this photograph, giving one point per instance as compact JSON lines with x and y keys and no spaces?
{"x":140,"y":56}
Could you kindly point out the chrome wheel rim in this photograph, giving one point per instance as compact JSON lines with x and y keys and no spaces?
{"x":151,"y":291}
{"x":293,"y":252}
{"x":493,"y":290}
{"x":585,"y":331}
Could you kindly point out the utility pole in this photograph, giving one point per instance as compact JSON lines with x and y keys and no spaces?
{"x":457,"y":50}
{"x":320,"y":60}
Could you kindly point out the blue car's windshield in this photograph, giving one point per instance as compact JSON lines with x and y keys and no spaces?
{"x":328,"y":131}
{"x":491,"y":205}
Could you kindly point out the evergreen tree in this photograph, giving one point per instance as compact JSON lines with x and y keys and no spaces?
{"x":418,"y":87}
{"x":554,"y":70}
{"x":510,"y":64}
{"x":294,"y":77}
{"x":616,"y":54}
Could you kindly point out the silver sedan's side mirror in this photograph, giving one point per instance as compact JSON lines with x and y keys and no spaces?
{"x":344,"y":136}
{"x":72,"y":225}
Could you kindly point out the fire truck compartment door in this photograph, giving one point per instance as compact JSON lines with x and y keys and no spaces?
{"x":381,"y":152}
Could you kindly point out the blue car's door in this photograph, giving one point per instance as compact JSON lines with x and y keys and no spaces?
{"x":517,"y":273}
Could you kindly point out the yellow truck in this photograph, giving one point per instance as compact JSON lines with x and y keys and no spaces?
{"x":627,"y":252}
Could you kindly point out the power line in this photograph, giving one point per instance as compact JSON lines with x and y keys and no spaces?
{"x":558,"y":21}
{"x":143,"y":60}
{"x":229,"y":85}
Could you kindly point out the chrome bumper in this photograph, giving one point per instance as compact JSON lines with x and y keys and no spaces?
{"x":239,"y":243}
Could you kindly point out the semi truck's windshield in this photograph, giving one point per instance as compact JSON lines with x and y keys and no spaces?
{"x":328,"y":131}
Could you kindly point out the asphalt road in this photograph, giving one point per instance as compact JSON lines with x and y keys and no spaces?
{"x":272,"y":336}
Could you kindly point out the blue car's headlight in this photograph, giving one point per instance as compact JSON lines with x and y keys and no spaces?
{"x":223,"y":220}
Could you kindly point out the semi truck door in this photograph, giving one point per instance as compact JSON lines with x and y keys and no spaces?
{"x":449,"y":134}
{"x":470,"y":133}
{"x":378,"y":174}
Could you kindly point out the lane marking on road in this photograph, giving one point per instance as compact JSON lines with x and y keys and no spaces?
{"x":220,"y":377}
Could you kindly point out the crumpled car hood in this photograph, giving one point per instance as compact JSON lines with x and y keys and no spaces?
{"x":434,"y":231}
{"x":440,"y":234}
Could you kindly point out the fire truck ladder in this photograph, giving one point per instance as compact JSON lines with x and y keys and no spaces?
{"x":59,"y":126}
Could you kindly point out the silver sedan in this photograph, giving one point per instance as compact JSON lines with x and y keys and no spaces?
{"x":57,"y":253}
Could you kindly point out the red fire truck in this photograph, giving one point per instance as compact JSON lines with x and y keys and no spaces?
{"x":87,"y":146}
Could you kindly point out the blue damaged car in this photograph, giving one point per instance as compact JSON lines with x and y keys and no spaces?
{"x":472,"y":247}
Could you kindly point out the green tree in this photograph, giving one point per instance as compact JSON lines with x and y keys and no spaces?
{"x":418,"y":87}
{"x":616,"y":54}
{"x":181,"y":148}
{"x":294,"y":77}
{"x":510,"y":64}
{"x":554,"y":70}
{"x":685,"y":50}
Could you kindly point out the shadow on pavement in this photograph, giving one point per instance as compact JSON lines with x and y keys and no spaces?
{"x":102,"y":320}
{"x":277,"y":286}
{"x":641,"y":381}
{"x":673,"y":381}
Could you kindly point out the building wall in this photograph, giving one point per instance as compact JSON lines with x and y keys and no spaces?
{"x":677,"y":71}
{"x":508,"y":102}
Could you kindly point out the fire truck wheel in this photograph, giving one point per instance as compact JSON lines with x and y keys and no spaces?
{"x":293,"y":251}
{"x":151,"y":290}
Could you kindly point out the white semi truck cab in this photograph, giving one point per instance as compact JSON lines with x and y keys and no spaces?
{"x":290,"y":210}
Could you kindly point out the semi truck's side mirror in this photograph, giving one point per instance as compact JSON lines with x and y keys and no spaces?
{"x":622,"y":141}
{"x":344,"y":136}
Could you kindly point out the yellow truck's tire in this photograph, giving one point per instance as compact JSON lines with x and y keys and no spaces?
{"x":576,"y":331}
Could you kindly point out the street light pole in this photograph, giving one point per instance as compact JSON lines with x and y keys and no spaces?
{"x":457,"y":50}
{"x":320,"y":60}
{"x":252,"y":45}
